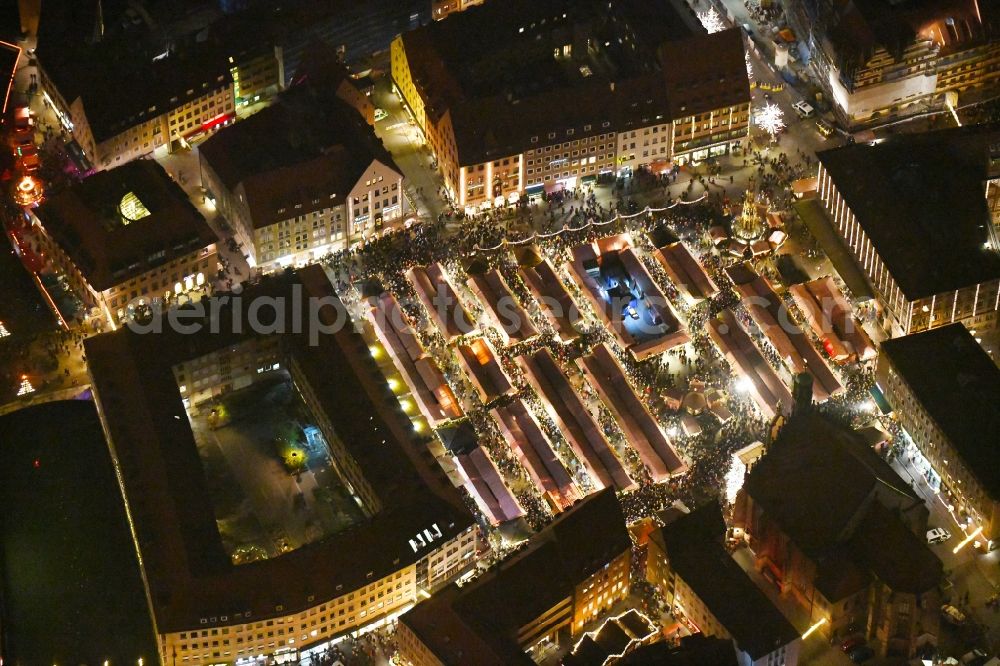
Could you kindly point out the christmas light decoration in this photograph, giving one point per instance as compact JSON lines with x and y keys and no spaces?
{"x":25,"y":387}
{"x":770,"y":119}
{"x":711,"y":21}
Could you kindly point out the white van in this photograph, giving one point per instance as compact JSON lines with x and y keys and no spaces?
{"x":804,"y":109}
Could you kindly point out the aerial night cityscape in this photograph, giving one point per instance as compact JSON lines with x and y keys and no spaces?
{"x":500,"y":332}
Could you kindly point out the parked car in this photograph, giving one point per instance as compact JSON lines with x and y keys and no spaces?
{"x":852,"y":643}
{"x":30,"y":163}
{"x":938,"y":535}
{"x":952,"y":614}
{"x":861,"y":654}
{"x":804,"y":109}
{"x":824,"y":128}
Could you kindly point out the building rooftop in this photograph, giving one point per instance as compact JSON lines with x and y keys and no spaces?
{"x":817,"y":482}
{"x":191,"y":580}
{"x":96,"y":51}
{"x":817,"y":461}
{"x":695,"y":650}
{"x":480,"y":621}
{"x":862,"y":27}
{"x":69,"y":568}
{"x":920,"y":198}
{"x":490,"y":127}
{"x":302,"y":149}
{"x":883,"y":545}
{"x":492,"y":67}
{"x":693,"y":544}
{"x":958,"y":384}
{"x":120,"y":223}
{"x":717,"y":78}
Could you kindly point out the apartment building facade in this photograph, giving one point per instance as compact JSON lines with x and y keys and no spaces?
{"x":689,"y":567}
{"x":883,"y":60}
{"x":942,"y":385}
{"x":542,"y":596}
{"x":208,"y":607}
{"x":921,"y":230}
{"x":166,"y":117}
{"x":494,"y":144}
{"x":152,"y":249}
{"x":290,"y":204}
{"x":441,"y":9}
{"x":297,"y":634}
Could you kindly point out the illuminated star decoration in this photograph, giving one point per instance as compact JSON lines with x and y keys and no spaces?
{"x":770,"y":119}
{"x":711,"y":21}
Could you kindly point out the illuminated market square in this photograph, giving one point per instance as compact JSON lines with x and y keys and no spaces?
{"x":500,"y":332}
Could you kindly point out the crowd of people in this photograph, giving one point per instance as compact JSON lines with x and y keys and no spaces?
{"x":375,"y":648}
{"x":384,"y":260}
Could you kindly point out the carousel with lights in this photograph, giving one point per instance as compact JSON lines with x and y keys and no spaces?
{"x":28,"y":191}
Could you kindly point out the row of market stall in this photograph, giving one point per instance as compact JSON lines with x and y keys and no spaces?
{"x":639,"y":318}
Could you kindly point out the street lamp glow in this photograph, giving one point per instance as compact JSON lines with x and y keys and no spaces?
{"x":819,"y":623}
{"x":964,"y":542}
{"x":743,"y":384}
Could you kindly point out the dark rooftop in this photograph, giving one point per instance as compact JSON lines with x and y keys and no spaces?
{"x":189,"y":574}
{"x":106,"y":233}
{"x":695,"y":650}
{"x":717,"y":78}
{"x":492,"y":68}
{"x":694,"y":548}
{"x":958,"y":384}
{"x":862,"y":27}
{"x":97,"y":64}
{"x":67,"y":564}
{"x":816,"y":477}
{"x":818,"y":482}
{"x":920,"y":198}
{"x":491,"y":127}
{"x":306,"y":146}
{"x":482,"y":619}
{"x":884,"y":546}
